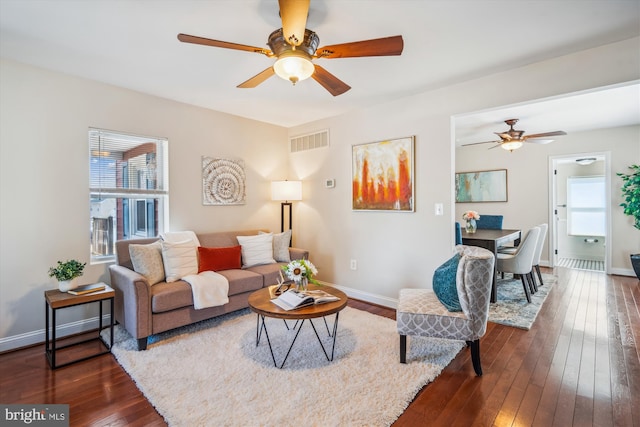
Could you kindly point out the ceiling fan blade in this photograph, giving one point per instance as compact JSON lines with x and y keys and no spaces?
{"x":257,"y":79}
{"x":484,"y":142}
{"x":385,"y":46}
{"x":538,"y":141}
{"x":540,"y":135}
{"x":294,"y":20}
{"x":186,"y":38}
{"x":334,"y":85}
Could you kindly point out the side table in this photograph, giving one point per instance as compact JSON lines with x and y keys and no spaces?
{"x":56,"y":300}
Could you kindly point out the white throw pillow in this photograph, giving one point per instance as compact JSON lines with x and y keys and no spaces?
{"x":180,"y":236}
{"x":281,"y":246}
{"x":256,"y":250}
{"x":147,"y":260}
{"x":180,"y":259}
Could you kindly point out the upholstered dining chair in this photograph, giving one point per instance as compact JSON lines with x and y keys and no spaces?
{"x":521,"y":262}
{"x":421,"y":313}
{"x":489,"y":222}
{"x":458,"y":233}
{"x":537,"y":255}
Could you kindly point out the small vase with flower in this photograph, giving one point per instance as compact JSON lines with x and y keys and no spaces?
{"x":470,"y":217}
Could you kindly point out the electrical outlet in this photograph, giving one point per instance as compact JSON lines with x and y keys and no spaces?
{"x":354,"y":264}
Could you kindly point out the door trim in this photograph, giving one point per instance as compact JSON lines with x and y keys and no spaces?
{"x":553,"y":232}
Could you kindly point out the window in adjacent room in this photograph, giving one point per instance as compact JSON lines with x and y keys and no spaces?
{"x":128,"y":185}
{"x":586,"y":205}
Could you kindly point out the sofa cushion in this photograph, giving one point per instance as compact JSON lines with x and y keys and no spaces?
{"x":216,"y":259}
{"x":269,"y":272}
{"x":444,"y":284}
{"x":180,"y":259}
{"x":147,"y":260}
{"x":281,"y":243}
{"x":256,"y":249}
{"x":170,"y":296}
{"x":241,"y":281}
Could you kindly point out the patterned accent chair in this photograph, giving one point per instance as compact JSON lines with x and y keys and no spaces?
{"x":420,"y":313}
{"x":489,"y":222}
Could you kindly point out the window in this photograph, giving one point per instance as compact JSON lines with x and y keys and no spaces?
{"x":128,"y":184}
{"x":586,"y":207}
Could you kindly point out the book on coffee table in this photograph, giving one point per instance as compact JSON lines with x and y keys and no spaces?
{"x":293,"y":299}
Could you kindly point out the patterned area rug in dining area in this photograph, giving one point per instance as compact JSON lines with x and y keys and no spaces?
{"x":512,"y":308}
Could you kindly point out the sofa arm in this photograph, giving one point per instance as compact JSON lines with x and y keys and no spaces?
{"x":133,"y":301}
{"x":297,"y":253}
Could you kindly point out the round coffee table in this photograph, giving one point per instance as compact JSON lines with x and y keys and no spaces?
{"x":260,"y":303}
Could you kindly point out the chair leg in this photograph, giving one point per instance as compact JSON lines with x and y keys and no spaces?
{"x":539,"y":274}
{"x":475,"y":356}
{"x":526,"y":287}
{"x":403,"y":349}
{"x":532,"y":283}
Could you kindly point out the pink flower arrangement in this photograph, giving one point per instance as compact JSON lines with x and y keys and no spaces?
{"x":470,"y":215}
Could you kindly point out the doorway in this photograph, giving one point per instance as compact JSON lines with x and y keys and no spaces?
{"x":580,"y":211}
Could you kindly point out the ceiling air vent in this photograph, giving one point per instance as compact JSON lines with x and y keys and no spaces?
{"x":310,"y":141}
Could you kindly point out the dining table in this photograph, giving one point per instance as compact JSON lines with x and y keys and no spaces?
{"x":492,"y":240}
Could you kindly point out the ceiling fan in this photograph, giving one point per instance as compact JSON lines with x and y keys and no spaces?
{"x":295,"y":47}
{"x":514,"y":139}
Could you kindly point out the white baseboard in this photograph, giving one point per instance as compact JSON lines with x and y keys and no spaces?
{"x":366,"y":296}
{"x":623,"y":272}
{"x":38,"y":337}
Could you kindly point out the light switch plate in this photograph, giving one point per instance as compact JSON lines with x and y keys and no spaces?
{"x":329,"y":183}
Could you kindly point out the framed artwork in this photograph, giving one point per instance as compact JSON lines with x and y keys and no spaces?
{"x":223,"y":181}
{"x":481,"y":186}
{"x":383,"y":176}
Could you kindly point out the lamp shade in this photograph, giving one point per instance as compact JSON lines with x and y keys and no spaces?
{"x":286,"y":190}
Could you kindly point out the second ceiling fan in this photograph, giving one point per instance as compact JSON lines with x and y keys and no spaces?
{"x":513,"y":139}
{"x":295,"y":47}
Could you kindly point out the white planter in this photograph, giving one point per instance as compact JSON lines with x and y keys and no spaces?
{"x":67,"y":285}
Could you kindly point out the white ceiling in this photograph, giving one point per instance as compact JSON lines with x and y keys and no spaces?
{"x":133,"y":44}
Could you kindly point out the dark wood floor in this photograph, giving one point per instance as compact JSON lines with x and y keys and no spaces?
{"x":578,"y":365}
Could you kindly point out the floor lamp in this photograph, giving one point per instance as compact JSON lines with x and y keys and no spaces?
{"x":286,"y":192}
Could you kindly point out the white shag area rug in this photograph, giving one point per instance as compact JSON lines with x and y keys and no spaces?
{"x":512,"y":308}
{"x":212,"y":373}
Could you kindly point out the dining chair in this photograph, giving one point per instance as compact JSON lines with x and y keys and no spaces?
{"x":489,"y":222}
{"x":458,"y":233}
{"x":538,"y":253}
{"x":521,"y":262}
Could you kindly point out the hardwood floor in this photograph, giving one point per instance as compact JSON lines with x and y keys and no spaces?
{"x":578,"y":365}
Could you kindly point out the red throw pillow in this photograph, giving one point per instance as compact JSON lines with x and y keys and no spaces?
{"x":216,"y":259}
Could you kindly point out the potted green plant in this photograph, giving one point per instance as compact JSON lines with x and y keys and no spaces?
{"x":66,"y":273}
{"x":631,"y":204}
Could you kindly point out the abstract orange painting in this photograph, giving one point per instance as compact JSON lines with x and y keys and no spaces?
{"x":382,"y":175}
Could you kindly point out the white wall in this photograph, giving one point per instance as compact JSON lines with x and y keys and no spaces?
{"x":44,"y":208}
{"x":396,"y":250}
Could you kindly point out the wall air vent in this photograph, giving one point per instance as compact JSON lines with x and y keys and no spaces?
{"x":310,"y":141}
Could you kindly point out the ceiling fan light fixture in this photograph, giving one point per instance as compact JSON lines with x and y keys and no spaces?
{"x":586,"y":161}
{"x":294,"y":66}
{"x":511,"y":145}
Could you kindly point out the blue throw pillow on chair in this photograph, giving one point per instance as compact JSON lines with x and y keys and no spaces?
{"x":444,"y":284}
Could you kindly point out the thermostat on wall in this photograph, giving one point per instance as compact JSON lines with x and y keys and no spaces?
{"x":329,"y":183}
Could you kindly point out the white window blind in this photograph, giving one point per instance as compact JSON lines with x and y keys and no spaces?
{"x":586,"y":206}
{"x":128,"y":183}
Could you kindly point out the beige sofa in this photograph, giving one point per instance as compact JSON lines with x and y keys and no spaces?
{"x":145,"y":309}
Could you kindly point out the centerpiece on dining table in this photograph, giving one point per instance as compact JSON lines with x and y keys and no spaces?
{"x":301,"y":271}
{"x":471,"y":217}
